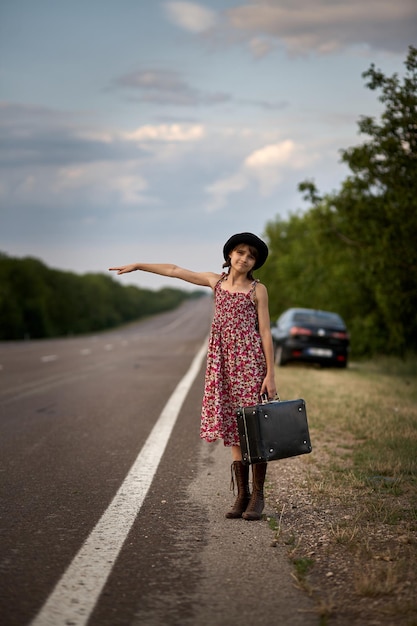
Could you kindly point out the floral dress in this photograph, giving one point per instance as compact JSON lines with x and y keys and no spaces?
{"x":236,"y":364}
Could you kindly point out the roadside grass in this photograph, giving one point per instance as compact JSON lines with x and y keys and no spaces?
{"x":353,"y":537}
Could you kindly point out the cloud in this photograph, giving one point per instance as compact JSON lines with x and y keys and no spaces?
{"x":191,"y":16}
{"x":167,"y":132}
{"x":220,"y":190}
{"x":304,"y":26}
{"x":19,"y":116}
{"x":323,"y":27}
{"x":285,"y":152}
{"x":261,"y":46}
{"x":99,"y":184}
{"x":27,"y":139}
{"x":104,"y":182}
{"x":167,"y":88}
{"x":266,"y":105}
{"x":268,"y":166}
{"x":40,"y":136}
{"x":69,"y":162}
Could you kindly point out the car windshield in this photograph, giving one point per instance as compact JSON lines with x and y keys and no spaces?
{"x":317,"y":318}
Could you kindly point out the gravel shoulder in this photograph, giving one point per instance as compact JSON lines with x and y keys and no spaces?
{"x":357,"y":569}
{"x":246,"y":575}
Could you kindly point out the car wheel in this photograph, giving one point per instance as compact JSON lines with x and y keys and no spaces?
{"x":279,"y":358}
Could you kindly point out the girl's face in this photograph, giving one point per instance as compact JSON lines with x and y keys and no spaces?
{"x":242,"y":258}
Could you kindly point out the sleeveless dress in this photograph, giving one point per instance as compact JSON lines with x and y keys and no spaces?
{"x":236,"y":364}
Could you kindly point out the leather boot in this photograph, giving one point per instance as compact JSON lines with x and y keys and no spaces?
{"x":256,"y":503}
{"x":241,"y":472}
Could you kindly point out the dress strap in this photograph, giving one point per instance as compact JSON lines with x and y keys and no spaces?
{"x":221,"y":279}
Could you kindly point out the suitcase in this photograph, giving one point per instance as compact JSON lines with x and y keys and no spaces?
{"x":273,"y":430}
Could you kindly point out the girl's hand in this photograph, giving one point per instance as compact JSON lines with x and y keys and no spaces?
{"x":123,"y":269}
{"x":269,"y":387}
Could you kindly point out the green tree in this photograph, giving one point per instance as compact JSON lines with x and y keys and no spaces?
{"x":355,"y":250}
{"x":38,"y":302}
{"x":377,"y":205}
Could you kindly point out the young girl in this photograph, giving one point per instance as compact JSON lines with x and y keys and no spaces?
{"x":240,"y":363}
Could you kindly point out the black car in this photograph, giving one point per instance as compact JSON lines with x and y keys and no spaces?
{"x":311,"y":336}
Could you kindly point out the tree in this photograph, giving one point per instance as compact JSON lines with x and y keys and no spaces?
{"x":358,"y":245}
{"x":377,"y":205}
{"x":38,"y":302}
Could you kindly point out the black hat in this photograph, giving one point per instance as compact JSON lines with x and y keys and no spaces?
{"x":250,"y":240}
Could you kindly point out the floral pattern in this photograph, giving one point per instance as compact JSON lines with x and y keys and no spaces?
{"x":236,"y":364}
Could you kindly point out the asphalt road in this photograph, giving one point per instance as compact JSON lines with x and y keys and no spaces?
{"x":77,"y":448}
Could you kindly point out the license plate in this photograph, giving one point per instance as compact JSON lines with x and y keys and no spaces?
{"x":320,"y":352}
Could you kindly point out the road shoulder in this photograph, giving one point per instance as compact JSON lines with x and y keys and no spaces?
{"x":246,"y":575}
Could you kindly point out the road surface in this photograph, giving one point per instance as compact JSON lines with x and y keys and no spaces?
{"x":112,"y":508}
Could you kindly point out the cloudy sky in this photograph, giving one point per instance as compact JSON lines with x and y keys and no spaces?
{"x":153,"y":130}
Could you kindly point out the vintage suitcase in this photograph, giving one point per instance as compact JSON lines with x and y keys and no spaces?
{"x":273,"y":430}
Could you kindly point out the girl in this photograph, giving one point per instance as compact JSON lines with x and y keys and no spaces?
{"x":240,"y":363}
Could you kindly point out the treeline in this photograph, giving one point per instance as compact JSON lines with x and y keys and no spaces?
{"x":40,"y":302}
{"x":355,"y":250}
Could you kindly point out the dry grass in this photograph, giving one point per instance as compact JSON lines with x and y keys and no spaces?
{"x":348,"y":511}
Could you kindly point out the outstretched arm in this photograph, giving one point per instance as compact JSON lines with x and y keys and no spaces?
{"x":205,"y":279}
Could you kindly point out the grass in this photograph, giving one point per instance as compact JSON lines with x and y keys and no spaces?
{"x":302,"y":566}
{"x":363,"y":472}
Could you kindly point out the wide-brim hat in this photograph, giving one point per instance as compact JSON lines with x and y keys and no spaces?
{"x":251,"y":240}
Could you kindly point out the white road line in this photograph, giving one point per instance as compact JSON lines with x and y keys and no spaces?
{"x":76,"y":593}
{"x":48,"y":358}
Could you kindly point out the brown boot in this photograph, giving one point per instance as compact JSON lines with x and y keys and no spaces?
{"x":256,"y":504}
{"x":241,"y":472}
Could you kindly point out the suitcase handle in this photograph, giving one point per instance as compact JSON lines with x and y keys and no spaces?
{"x":265,"y":399}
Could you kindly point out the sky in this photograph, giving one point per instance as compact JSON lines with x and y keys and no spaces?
{"x":151,"y":131}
